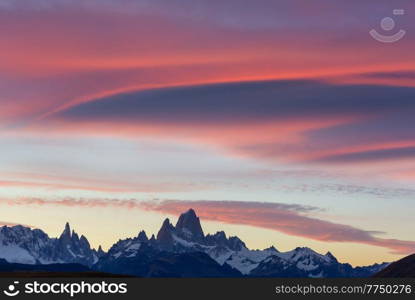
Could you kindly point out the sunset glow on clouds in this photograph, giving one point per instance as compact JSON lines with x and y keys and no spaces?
{"x":241,"y":102}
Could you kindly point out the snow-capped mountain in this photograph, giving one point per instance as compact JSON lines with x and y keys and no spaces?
{"x":19,"y":244}
{"x":177,"y":250}
{"x":301,"y":260}
{"x":187,"y":236}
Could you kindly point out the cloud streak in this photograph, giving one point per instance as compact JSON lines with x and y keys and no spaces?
{"x":111,"y":188}
{"x":289,"y":219}
{"x":290,"y":120}
{"x":374,"y":155}
{"x":245,"y":101}
{"x":73,"y":202}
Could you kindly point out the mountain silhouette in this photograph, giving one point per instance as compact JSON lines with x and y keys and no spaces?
{"x":181,"y":250}
{"x":404,"y":267}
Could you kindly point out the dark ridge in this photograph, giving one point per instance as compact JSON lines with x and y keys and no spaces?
{"x":403,"y":268}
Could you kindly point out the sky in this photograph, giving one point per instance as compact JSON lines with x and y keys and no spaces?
{"x":283,"y":122}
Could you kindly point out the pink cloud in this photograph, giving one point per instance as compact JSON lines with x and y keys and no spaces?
{"x":289,"y":219}
{"x":269,"y":120}
{"x":110,"y":48}
{"x":111,"y":188}
{"x":105,"y":54}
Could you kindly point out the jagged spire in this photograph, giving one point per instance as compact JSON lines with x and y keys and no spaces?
{"x":67,"y":227}
{"x":75,"y":236}
{"x":331,"y":256}
{"x":142,"y":236}
{"x":84,"y":242}
{"x":272,"y":248}
{"x":67,"y":231}
{"x":191,"y":212}
{"x":164,"y":236}
{"x":236,"y":243}
{"x":189,"y":226}
{"x":100,"y":252}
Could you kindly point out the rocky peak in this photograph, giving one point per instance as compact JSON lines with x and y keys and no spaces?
{"x":142,"y":236}
{"x":303,"y":250}
{"x":188,"y":226}
{"x":66,"y":236}
{"x":271,"y":249}
{"x":235,"y":243}
{"x":83,"y":241}
{"x":67,"y":231}
{"x":100,"y":252}
{"x":165,"y":234}
{"x":74,"y":237}
{"x":219,"y":239}
{"x":331,"y":256}
{"x":220,"y":236}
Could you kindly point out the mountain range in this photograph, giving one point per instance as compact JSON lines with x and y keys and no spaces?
{"x":181,"y":250}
